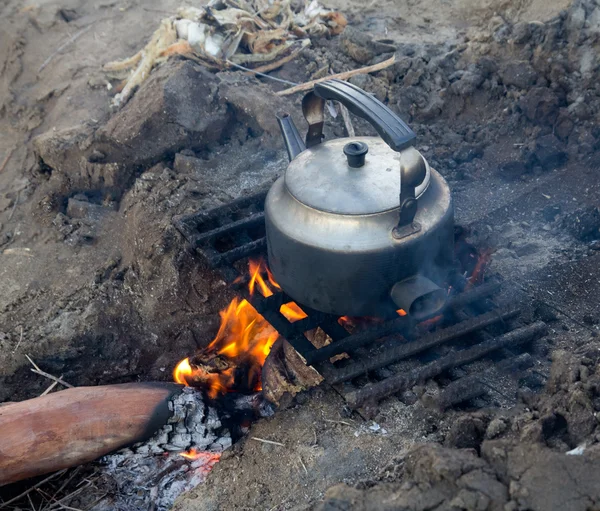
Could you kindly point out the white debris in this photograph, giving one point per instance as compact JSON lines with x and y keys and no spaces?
{"x":578,"y":451}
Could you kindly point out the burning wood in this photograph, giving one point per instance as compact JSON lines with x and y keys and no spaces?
{"x":233,"y":361}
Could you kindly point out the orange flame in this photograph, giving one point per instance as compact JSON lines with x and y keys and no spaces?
{"x":193,"y":454}
{"x":244,"y":340}
{"x":478,"y":272}
{"x":292,"y":312}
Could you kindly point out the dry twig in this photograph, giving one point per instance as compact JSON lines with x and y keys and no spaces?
{"x":19,"y":343}
{"x":303,"y":465}
{"x":7,"y":158}
{"x":267,"y":441}
{"x":64,"y":45}
{"x":347,"y":121}
{"x":340,"y":76}
{"x":34,"y":487}
{"x":37,"y":370}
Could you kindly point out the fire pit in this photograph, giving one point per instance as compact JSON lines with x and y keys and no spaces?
{"x":471,"y":322}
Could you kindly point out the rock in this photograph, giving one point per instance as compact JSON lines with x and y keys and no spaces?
{"x":61,"y":149}
{"x":539,"y":478}
{"x":550,"y":212}
{"x":468,"y":152}
{"x":540,"y":104}
{"x":487,"y":66}
{"x":521,"y":32}
{"x":177,"y":107}
{"x":564,"y":125}
{"x":466,"y":433}
{"x":433,"y":478}
{"x":518,"y":73}
{"x":584,"y":223}
{"x":255,"y":107}
{"x":468,"y":84}
{"x":84,"y":209}
{"x":550,"y":152}
{"x":361,"y":47}
{"x":512,"y":170}
{"x":496,"y":427}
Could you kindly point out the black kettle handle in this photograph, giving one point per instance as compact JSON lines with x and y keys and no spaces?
{"x":390,"y":127}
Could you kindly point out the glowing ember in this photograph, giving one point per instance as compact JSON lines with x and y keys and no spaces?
{"x":194,"y":455}
{"x":233,"y":360}
{"x":478,"y":272}
{"x":292,"y":312}
{"x":352,"y":323}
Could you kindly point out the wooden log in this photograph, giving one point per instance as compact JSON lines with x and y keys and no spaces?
{"x":78,"y":425}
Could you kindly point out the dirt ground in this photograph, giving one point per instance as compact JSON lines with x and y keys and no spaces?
{"x":97,"y":287}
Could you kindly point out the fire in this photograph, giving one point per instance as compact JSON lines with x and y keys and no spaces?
{"x":478,"y":272}
{"x":292,"y":312}
{"x":233,"y":360}
{"x":194,"y":455}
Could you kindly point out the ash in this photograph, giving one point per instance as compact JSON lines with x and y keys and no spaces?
{"x":150,"y":475}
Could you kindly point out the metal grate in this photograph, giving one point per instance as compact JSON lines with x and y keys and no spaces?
{"x":472,"y":327}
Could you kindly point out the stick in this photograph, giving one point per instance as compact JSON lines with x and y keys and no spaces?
{"x":53,"y":378}
{"x":37,"y":370}
{"x":64,"y":45}
{"x":340,"y":76}
{"x":278,"y":63}
{"x":29,"y":490}
{"x":347,"y":121}
{"x":15,"y":206}
{"x":49,"y":389}
{"x":19,"y":343}
{"x":8,"y":156}
{"x":267,"y":441}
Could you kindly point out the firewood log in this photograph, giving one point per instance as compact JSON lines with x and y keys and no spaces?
{"x":78,"y":425}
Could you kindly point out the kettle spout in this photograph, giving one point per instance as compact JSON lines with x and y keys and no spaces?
{"x":291,"y":137}
{"x":419,"y":297}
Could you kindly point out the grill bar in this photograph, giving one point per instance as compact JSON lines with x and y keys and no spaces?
{"x":456,"y":392}
{"x":251,"y":248}
{"x":402,"y":324}
{"x":245,"y":223}
{"x":414,"y":347}
{"x":377,"y":391}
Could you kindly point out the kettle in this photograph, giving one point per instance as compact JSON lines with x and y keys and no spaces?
{"x":359,"y":226}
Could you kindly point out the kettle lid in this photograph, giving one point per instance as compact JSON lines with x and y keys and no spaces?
{"x":352,"y":176}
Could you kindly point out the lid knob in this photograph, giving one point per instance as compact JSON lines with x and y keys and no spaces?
{"x":356,"y":152}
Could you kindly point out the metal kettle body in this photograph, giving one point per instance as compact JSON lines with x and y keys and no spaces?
{"x":340,"y":237}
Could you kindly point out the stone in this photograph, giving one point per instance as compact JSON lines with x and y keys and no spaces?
{"x":550,"y":212}
{"x":584,"y":223}
{"x":466,"y":433}
{"x":550,"y":152}
{"x":361,"y":47}
{"x":176,"y":108}
{"x":84,"y":209}
{"x":468,"y":152}
{"x":519,"y":74}
{"x":468,"y":84}
{"x":512,"y":170}
{"x":255,"y":107}
{"x":496,"y":427}
{"x":540,"y":104}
